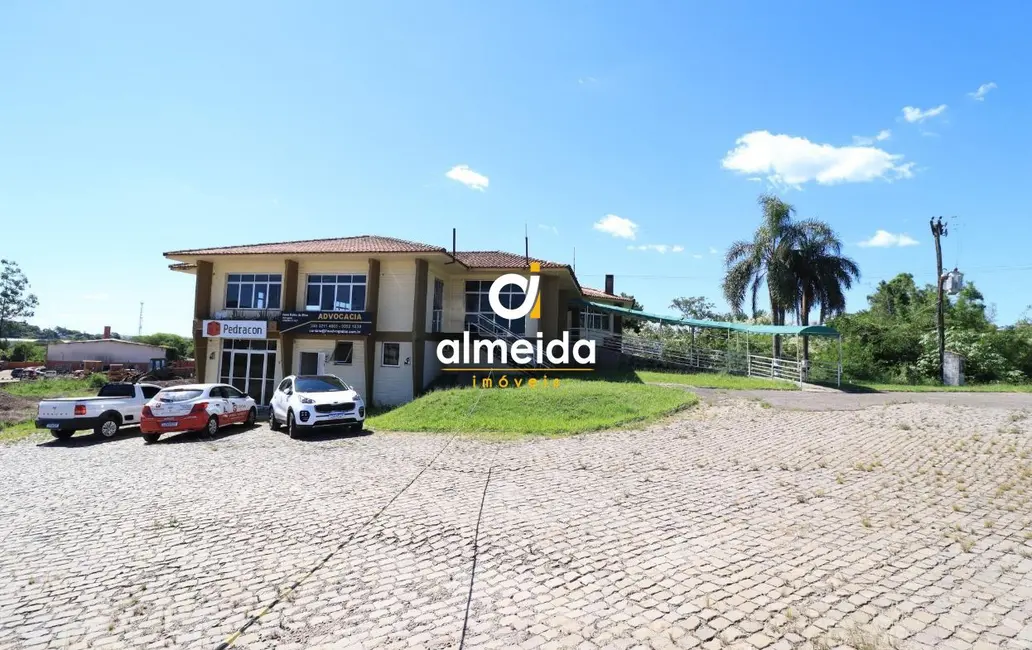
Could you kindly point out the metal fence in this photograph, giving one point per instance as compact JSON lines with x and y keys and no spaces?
{"x":681,"y":353}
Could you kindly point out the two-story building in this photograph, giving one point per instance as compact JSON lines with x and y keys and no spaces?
{"x":368,"y":309}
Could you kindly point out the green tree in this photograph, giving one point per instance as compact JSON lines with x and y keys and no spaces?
{"x":25,"y":351}
{"x":799,"y":263}
{"x":14,"y":301}
{"x":695,"y":308}
{"x":630,"y":323}
{"x":822,"y":273}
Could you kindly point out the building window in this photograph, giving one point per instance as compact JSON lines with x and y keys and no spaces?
{"x":478,"y":306}
{"x":336,"y":293}
{"x":342,"y":353}
{"x":437,"y":316}
{"x":391,"y":355}
{"x":253,"y":290}
{"x":594,"y":320}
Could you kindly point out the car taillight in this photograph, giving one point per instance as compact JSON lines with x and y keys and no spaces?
{"x":199,"y":407}
{"x":147,"y":412}
{"x":80,"y":409}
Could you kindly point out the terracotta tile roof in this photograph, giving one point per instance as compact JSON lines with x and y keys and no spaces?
{"x":588,"y":292}
{"x":500,"y":260}
{"x":359,"y":244}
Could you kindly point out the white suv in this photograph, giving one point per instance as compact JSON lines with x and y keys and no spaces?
{"x":303,"y":402}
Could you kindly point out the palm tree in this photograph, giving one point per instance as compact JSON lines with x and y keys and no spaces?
{"x":822,"y":273}
{"x":765,"y":260}
{"x":800,"y":262}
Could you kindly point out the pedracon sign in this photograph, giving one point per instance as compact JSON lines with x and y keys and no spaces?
{"x":235,"y":329}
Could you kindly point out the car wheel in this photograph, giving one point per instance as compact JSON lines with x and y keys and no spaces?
{"x":151,"y":438}
{"x":63,"y":434}
{"x":292,"y":425}
{"x":355,"y":428}
{"x":252,"y":417}
{"x":213,"y":426}
{"x":107,"y":427}
{"x":273,"y":422}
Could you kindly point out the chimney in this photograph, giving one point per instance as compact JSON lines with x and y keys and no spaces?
{"x":609,"y":284}
{"x":107,"y":328}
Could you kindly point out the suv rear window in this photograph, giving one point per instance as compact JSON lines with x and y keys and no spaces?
{"x":116,"y":390}
{"x":178,"y":394}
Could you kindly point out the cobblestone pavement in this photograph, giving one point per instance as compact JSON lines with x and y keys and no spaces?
{"x":735,"y":525}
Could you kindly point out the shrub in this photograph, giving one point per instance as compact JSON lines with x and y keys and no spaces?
{"x":97,"y":380}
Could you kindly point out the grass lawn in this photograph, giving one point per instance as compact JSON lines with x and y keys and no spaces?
{"x":48,"y":388}
{"x":714,"y":380}
{"x":931,"y":388}
{"x":576,"y":406}
{"x":16,"y":432}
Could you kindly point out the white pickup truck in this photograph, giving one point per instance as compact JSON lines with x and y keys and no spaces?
{"x":116,"y":405}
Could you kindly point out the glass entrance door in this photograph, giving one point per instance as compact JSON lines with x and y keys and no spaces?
{"x":250,"y":367}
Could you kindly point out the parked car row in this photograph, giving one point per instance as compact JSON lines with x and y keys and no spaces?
{"x":33,"y":373}
{"x":300,"y":403}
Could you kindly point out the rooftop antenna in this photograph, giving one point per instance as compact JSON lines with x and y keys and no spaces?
{"x":574,"y":259}
{"x":453,"y":260}
{"x":526,"y":244}
{"x":139,"y":328}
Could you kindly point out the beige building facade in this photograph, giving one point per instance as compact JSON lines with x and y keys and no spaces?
{"x":369,"y":309}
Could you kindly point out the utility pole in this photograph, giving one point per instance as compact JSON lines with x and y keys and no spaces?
{"x":938,"y":231}
{"x":139,"y":328}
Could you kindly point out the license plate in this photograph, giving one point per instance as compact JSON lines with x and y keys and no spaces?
{"x":53,"y":425}
{"x":169,"y":424}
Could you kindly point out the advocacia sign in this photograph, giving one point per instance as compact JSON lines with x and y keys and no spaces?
{"x":351,"y":323}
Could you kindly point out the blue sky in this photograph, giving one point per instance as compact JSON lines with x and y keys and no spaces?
{"x":128,"y":129}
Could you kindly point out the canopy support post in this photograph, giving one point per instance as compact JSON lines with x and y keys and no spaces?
{"x":748,"y":357}
{"x":838,"y":375}
{"x":799,"y":365}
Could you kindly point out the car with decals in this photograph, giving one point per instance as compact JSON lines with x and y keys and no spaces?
{"x":304,"y":402}
{"x":115,"y":406}
{"x":196,"y":407}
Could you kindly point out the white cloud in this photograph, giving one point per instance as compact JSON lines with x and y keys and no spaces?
{"x":551,"y":229}
{"x":864,"y":141}
{"x":912,"y":115}
{"x":96,"y":297}
{"x":791,"y":160}
{"x":983,"y":90}
{"x":697,"y":256}
{"x":713,"y":251}
{"x":471,"y":179}
{"x":584,"y":81}
{"x":886,"y":239}
{"x":617,"y":226}
{"x":658,"y":248}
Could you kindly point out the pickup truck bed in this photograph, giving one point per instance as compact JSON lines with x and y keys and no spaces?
{"x":115,"y":406}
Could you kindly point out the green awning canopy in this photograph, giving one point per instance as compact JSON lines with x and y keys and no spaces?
{"x":785,"y":330}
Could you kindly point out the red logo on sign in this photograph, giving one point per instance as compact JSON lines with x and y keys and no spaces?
{"x":214,"y":328}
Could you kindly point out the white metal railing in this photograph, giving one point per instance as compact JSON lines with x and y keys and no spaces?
{"x":683,"y":354}
{"x":485,"y":325}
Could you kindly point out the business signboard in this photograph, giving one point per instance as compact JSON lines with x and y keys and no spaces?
{"x":235,"y":329}
{"x":349,"y":323}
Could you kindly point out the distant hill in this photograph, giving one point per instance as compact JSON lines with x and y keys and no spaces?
{"x":16,"y":330}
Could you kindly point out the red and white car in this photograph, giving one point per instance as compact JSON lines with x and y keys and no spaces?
{"x":196,"y":407}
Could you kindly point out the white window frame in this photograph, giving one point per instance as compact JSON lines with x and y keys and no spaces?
{"x":364,"y":283}
{"x":588,"y":315}
{"x":350,"y":357}
{"x":237,"y":279}
{"x":383,"y":355}
{"x":506,"y":295}
{"x":437,"y":307}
